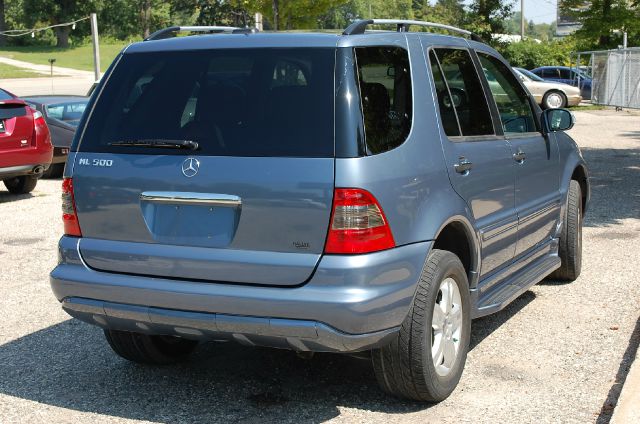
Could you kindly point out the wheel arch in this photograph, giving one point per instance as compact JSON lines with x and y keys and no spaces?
{"x":458,"y":236}
{"x":580,"y":175}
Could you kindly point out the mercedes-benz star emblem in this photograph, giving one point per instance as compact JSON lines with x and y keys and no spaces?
{"x":190,"y":167}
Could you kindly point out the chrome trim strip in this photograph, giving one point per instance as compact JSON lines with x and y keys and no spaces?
{"x":205,"y":199}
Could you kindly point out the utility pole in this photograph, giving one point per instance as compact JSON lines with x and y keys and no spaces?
{"x":521,"y":20}
{"x":96,"y":46}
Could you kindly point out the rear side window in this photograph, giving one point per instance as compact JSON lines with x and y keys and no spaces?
{"x":384,"y":77}
{"x":232,"y":102}
{"x":463,"y":97}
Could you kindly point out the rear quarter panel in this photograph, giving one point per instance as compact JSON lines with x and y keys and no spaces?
{"x":411,"y":181}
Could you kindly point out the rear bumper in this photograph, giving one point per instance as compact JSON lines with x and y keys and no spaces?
{"x":574,"y":100}
{"x":299,"y":335}
{"x":20,"y":170}
{"x":60,"y":155}
{"x":351,"y":303}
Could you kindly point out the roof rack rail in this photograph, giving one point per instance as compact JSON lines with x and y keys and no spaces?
{"x":167,"y":32}
{"x":358,"y":27}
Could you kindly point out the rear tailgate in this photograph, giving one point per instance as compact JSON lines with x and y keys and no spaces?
{"x":251,"y":204}
{"x":274,"y":235}
{"x":16,"y":125}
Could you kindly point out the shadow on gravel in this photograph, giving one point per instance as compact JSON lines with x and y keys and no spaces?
{"x":483,"y":327}
{"x":5,"y":196}
{"x":70,"y":365}
{"x":614,"y":393}
{"x":615,"y":187}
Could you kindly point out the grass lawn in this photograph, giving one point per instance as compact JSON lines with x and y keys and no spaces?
{"x":8,"y":71}
{"x":73,"y":57}
{"x":587,"y":107}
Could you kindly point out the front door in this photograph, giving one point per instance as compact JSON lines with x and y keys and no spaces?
{"x":479,"y":162}
{"x":535,"y":156}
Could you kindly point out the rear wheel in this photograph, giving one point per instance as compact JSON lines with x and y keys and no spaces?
{"x":570,"y":243}
{"x":146,"y":349}
{"x":426,"y":360}
{"x":21,"y":185}
{"x":554,"y":100}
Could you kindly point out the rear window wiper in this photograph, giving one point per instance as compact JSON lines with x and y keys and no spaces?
{"x":165,"y":144}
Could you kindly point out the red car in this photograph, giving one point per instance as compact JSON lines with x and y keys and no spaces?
{"x":25,"y":144}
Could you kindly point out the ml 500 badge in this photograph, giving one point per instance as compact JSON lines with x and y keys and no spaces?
{"x":95,"y":162}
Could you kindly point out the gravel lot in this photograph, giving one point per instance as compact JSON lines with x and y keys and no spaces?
{"x":557,"y":354}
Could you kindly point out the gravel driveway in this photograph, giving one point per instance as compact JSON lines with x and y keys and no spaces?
{"x":557,"y":354}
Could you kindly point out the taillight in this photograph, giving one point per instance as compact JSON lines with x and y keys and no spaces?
{"x":40,"y":129}
{"x":69,"y":214}
{"x":358,"y":224}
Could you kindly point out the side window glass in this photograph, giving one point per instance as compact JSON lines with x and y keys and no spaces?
{"x":512,"y":101}
{"x":447,"y":112}
{"x":565,"y":74}
{"x":466,"y":95}
{"x":385,"y":89}
{"x":287,"y":74}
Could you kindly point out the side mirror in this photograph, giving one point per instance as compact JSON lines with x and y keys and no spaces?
{"x":557,"y":120}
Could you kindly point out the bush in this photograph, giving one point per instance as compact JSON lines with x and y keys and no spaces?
{"x":529,"y":54}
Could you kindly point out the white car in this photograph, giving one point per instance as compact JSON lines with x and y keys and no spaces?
{"x":549,"y":94}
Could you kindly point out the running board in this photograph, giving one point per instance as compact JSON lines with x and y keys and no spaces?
{"x":503,"y":294}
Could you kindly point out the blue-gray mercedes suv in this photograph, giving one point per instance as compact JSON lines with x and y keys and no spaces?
{"x":370,"y":191}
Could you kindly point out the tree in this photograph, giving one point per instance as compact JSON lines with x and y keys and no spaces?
{"x":601,"y":19}
{"x":292,"y":14}
{"x":344,"y":13}
{"x":488,"y":17}
{"x":3,"y":24}
{"x":58,"y":12}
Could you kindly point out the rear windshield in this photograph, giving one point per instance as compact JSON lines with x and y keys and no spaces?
{"x":232,"y":102}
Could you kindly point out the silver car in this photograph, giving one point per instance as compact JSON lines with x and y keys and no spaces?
{"x":549,"y":94}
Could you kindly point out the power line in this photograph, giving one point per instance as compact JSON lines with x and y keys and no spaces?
{"x":32,"y":31}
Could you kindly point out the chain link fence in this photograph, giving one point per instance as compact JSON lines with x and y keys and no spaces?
{"x":615,"y":76}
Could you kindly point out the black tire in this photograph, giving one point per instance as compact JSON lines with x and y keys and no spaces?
{"x":54,"y":171}
{"x":146,"y":349}
{"x":21,"y":185}
{"x":570,"y":243}
{"x":551,"y":94}
{"x":405,"y":368}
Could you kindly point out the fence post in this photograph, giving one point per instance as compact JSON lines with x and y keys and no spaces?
{"x":96,"y":46}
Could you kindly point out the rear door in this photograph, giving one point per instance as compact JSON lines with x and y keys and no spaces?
{"x":536,"y":157}
{"x":479,"y":161}
{"x":250,"y":204}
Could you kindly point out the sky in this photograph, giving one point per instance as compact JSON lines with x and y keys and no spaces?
{"x":539,"y":11}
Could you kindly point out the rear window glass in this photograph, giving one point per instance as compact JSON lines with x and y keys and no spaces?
{"x":232,"y":102}
{"x":4,"y":95}
{"x":385,"y":89}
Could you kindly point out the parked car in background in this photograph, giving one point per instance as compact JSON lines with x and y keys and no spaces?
{"x":25,"y":144}
{"x":549,"y":94}
{"x":567,"y":75}
{"x":62,"y":114}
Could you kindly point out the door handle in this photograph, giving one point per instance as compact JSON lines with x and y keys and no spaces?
{"x":520,"y":156}
{"x":463,"y":166}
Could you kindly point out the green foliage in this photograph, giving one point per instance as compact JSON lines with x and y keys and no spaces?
{"x":601,"y":19}
{"x":59,"y":11}
{"x":487,"y":17}
{"x":529,"y":54}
